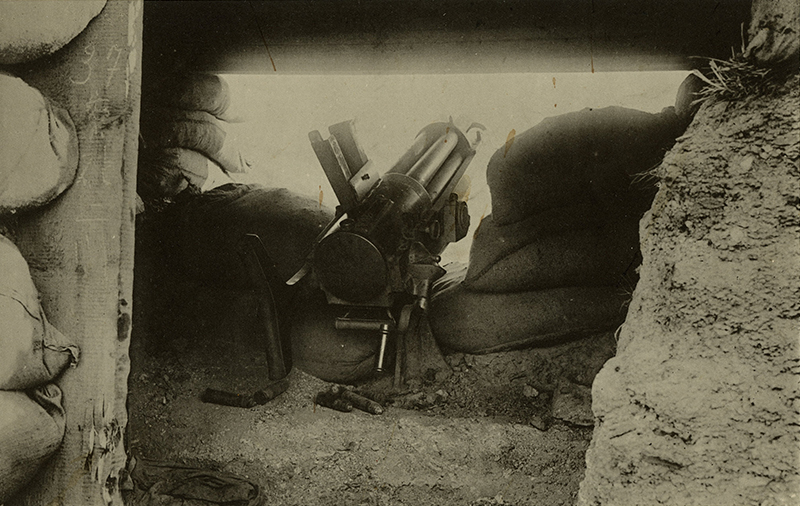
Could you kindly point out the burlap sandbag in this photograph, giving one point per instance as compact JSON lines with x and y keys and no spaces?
{"x":318,"y":348}
{"x":474,"y":322}
{"x":567,"y":196}
{"x":196,"y":242}
{"x":31,"y":29}
{"x":192,"y":92}
{"x":192,"y":164}
{"x":32,"y":352}
{"x":544,"y":252}
{"x":157,"y":176}
{"x":588,"y":158}
{"x":31,"y":430}
{"x":38,"y":147}
{"x":199,"y":235}
{"x":196,"y":130}
{"x":165,"y":172}
{"x":175,"y":128}
{"x":556,"y":258}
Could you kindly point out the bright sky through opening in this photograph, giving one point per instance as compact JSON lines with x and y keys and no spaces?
{"x":389,"y":110}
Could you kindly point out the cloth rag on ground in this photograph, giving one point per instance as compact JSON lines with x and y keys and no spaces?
{"x":164,"y":484}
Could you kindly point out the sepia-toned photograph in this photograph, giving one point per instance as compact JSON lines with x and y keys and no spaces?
{"x":399,"y":252}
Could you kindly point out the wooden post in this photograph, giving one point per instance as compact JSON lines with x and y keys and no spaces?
{"x":80,"y":251}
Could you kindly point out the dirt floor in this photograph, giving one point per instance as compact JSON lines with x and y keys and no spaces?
{"x":505,"y":428}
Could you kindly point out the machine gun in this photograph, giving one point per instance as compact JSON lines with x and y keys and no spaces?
{"x":380,"y":254}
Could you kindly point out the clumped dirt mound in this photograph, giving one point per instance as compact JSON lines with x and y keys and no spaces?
{"x":700,"y":405}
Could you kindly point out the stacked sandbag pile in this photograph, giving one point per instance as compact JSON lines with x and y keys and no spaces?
{"x":38,"y":161}
{"x":184,"y":132}
{"x":32,"y":354}
{"x":557,"y":256}
{"x":191,"y":279}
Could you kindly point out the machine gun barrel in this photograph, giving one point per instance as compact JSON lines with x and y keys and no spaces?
{"x":429,"y":163}
{"x":440,"y":180}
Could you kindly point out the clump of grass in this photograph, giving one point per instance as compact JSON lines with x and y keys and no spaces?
{"x":734,"y":79}
{"x":648,"y":177}
{"x":738,"y":77}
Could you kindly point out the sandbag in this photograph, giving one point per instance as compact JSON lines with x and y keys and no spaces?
{"x":29,"y":30}
{"x":38,"y":146}
{"x":199,"y":235}
{"x":319,"y":349}
{"x":556,"y":259}
{"x":189,"y":268}
{"x":196,"y":130}
{"x":157,"y":176}
{"x":587,"y":158}
{"x":31,"y":430}
{"x":165,"y":172}
{"x":192,"y":164}
{"x":193,"y":92}
{"x":535,"y":254}
{"x":474,"y":322}
{"x":32,"y":352}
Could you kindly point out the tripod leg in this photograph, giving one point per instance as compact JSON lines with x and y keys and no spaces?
{"x":254,"y":256}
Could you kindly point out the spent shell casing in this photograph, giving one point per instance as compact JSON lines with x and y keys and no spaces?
{"x":332,"y":401}
{"x":362,"y":403}
{"x":377,"y":396}
{"x":227,"y":398}
{"x":270,"y":392}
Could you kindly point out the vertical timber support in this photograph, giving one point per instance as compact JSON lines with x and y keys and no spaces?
{"x":80,"y":251}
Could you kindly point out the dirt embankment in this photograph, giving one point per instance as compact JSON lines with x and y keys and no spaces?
{"x":701,"y":403}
